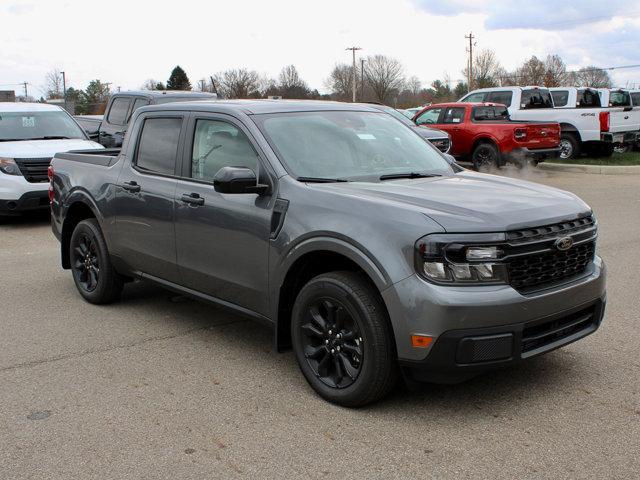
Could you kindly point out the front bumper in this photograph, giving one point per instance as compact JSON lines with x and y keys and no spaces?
{"x":30,"y":201}
{"x":418,"y":307}
{"x":458,"y":355}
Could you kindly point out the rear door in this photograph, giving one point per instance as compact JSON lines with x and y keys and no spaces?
{"x":144,"y":199}
{"x":222,"y":240}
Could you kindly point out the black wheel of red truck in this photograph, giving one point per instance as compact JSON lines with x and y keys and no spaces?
{"x":569,"y":146}
{"x":93,"y":274}
{"x":485,"y":157}
{"x":343,"y":340}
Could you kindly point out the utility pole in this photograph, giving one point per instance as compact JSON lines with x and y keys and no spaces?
{"x":213,"y":85}
{"x":353,"y":50}
{"x":64,"y":89}
{"x":362,"y":79}
{"x":26,"y":94}
{"x":470,"y":37}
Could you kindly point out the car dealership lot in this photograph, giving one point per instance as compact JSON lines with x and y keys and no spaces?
{"x":157,"y":386}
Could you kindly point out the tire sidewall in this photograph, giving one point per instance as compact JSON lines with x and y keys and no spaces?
{"x":325,"y":287}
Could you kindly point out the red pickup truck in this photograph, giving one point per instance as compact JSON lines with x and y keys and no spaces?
{"x":484,"y":134}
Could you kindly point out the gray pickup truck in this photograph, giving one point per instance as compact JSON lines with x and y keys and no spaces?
{"x":369,"y":253}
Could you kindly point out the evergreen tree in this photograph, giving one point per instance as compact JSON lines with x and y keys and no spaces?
{"x":178,"y":80}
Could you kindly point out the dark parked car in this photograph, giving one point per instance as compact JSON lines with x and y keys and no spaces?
{"x":438,"y":138}
{"x":109,"y":129}
{"x":336,"y":225}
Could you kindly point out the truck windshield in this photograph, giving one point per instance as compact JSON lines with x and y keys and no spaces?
{"x":348,"y":145}
{"x":38,"y":125}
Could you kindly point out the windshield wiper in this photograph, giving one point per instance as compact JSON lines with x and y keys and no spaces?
{"x":391,"y":176}
{"x":320,"y":180}
{"x":51,"y":137}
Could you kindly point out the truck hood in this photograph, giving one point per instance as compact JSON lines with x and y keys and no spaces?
{"x":44,"y":148}
{"x":473,"y":202}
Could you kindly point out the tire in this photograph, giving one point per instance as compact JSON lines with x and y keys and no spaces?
{"x":93,"y":274}
{"x":485,"y":157}
{"x":569,"y":145}
{"x":342,"y":339}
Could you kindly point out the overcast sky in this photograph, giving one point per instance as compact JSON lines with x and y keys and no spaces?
{"x":127,"y":42}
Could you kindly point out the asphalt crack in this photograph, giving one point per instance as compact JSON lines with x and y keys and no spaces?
{"x":92,"y":351}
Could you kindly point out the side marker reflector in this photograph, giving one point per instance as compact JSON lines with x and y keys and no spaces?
{"x":421,"y":341}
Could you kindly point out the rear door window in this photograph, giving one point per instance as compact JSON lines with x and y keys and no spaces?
{"x":499,"y":97}
{"x":453,"y":115}
{"x":635,"y":99}
{"x":158,"y":145}
{"x":560,"y":98}
{"x":536,"y":98}
{"x":587,"y":99}
{"x":139,"y":102}
{"x":483,"y":114}
{"x":118,"y":111}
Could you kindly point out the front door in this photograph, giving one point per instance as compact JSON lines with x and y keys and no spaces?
{"x":222,"y":240}
{"x":144,"y":199}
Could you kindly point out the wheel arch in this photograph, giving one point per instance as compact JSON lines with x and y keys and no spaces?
{"x":80,"y":208}
{"x":312,"y":258}
{"x":569,"y":128}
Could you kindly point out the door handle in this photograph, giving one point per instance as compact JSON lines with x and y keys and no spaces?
{"x":131,"y":186}
{"x":192,"y":199}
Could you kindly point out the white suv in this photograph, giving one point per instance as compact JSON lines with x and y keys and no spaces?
{"x":30,"y":135}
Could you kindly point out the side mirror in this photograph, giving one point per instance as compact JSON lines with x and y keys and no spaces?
{"x":238,"y":180}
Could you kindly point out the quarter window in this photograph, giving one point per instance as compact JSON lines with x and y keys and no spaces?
{"x":158,"y":145}
{"x":218,"y":144}
{"x":429,"y":117}
{"x":118,"y":111}
{"x":453,"y":115}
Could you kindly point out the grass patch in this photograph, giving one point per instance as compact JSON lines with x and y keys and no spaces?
{"x":629,"y":158}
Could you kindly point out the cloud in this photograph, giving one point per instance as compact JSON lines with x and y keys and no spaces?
{"x":524,"y":14}
{"x":20,"y":8}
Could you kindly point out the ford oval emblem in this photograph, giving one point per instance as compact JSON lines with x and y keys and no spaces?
{"x":564,"y":243}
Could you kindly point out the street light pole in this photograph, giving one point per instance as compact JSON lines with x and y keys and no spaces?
{"x":64,"y":89}
{"x":353,"y":51}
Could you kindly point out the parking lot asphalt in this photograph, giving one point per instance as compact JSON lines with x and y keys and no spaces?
{"x":158,"y":386}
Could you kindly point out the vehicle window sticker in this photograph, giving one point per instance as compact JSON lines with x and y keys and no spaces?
{"x":366,"y":136}
{"x":28,"y":122}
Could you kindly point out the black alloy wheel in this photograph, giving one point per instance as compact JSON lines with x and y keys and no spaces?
{"x":85,"y":262}
{"x":332,"y":343}
{"x":95,"y":278}
{"x":485,"y":157}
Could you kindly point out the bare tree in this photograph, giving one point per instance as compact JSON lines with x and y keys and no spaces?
{"x":290,"y":84}
{"x":151,"y":84}
{"x":53,"y":84}
{"x":340,"y":81}
{"x":556,"y":71}
{"x":591,"y":76}
{"x":532,"y":72}
{"x":487,"y":71}
{"x":414,"y":85}
{"x":383,"y":74}
{"x":238,"y":83}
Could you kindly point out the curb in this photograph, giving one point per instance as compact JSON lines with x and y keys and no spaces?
{"x":594,"y":169}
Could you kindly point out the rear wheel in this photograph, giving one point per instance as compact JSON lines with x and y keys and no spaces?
{"x":485,"y":157}
{"x":569,"y":146}
{"x":93,"y":274}
{"x":343,"y":340}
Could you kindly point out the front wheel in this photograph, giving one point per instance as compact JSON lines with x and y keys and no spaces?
{"x":343,"y":340}
{"x":93,"y":274}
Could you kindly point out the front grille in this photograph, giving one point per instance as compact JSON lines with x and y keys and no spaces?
{"x":539,"y":269}
{"x":542,"y":334}
{"x":442,"y":144}
{"x":534,"y":261}
{"x":34,"y":170}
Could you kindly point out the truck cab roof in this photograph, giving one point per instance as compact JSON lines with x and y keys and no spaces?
{"x":27,"y":107}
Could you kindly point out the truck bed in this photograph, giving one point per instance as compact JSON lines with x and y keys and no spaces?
{"x":105,"y":158}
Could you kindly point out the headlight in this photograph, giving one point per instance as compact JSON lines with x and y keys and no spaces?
{"x":461,"y":259}
{"x":9,"y":166}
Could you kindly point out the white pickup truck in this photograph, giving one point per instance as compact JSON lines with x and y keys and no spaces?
{"x":30,"y":135}
{"x":595,"y":130}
